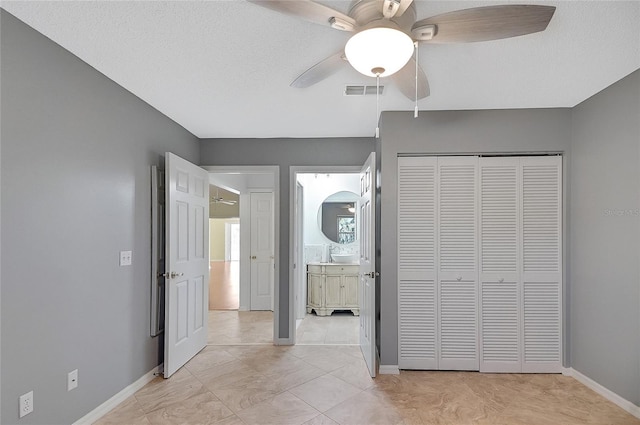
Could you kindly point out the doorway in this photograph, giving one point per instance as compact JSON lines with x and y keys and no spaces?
{"x":247,"y":247}
{"x":325,"y":253}
{"x":224,"y":245}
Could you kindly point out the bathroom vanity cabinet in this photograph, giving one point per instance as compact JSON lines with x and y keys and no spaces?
{"x":332,"y":286}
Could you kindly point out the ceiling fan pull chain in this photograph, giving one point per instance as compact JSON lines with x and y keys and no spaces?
{"x":415,"y":111}
{"x":377,"y":104}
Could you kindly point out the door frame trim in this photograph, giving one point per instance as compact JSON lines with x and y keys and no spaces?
{"x":264,"y":169}
{"x":293,"y":178}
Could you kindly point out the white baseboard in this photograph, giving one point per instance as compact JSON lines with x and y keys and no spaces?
{"x":127,"y":392}
{"x":603,"y":391}
{"x":389,"y":369}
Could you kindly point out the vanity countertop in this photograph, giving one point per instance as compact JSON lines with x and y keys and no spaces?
{"x":316,"y":263}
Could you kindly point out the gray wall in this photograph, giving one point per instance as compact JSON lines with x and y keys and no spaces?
{"x":285,"y":153}
{"x":605,"y":243}
{"x":76,"y":152}
{"x":450,"y":132}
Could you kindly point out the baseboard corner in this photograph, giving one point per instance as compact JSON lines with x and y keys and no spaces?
{"x":604,"y":392}
{"x":118,"y":398}
{"x":389,"y":369}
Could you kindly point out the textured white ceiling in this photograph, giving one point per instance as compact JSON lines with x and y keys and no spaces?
{"x":223,"y":68}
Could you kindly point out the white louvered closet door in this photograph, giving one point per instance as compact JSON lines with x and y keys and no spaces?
{"x":417,"y":263}
{"x":541,"y":264}
{"x":457,"y":273}
{"x":500,"y":291}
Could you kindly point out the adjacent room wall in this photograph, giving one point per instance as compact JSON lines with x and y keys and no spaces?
{"x":605,"y":243}
{"x":285,"y":153}
{"x":76,"y":155}
{"x":450,"y":132}
{"x":217,"y":239}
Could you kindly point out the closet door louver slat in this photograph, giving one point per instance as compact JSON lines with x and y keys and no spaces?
{"x":458,"y":263}
{"x":416,"y":263}
{"x":542,"y":264}
{"x":499,"y":269}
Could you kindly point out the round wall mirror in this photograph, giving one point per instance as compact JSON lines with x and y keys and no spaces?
{"x":337,"y":217}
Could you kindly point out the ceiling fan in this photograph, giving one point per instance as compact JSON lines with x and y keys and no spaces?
{"x":387,"y":31}
{"x":220,"y":200}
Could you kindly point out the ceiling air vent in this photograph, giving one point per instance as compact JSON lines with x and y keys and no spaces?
{"x":361,"y":90}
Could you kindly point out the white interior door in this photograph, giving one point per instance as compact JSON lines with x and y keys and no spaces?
{"x":187,"y":260}
{"x":262,"y":251}
{"x":367,"y":287}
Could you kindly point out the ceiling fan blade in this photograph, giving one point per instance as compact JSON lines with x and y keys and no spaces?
{"x":320,"y":71}
{"x":487,"y":23}
{"x":310,"y":11}
{"x":405,"y":80}
{"x":404,"y":5}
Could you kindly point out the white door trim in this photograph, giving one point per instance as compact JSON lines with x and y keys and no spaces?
{"x":264,"y":169}
{"x":293,"y":177}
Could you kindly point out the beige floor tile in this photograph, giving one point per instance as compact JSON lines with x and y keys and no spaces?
{"x":327,"y":359}
{"x":127,"y":412}
{"x":211,"y":376}
{"x":164,"y":392}
{"x":321,"y":420}
{"x":284,"y":409}
{"x":339,"y":328}
{"x":365,"y":408}
{"x":240,"y":327}
{"x":246,"y":391}
{"x":325,"y":392}
{"x":355,"y":374}
{"x":210,"y":356}
{"x":203,"y":408}
{"x":294,"y":377}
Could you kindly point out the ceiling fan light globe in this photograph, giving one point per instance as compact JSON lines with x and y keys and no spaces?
{"x":379,"y":48}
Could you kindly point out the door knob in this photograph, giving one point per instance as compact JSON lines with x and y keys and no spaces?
{"x":174,"y":275}
{"x":253,"y":257}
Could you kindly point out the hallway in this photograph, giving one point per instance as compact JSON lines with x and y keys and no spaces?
{"x":224,"y":285}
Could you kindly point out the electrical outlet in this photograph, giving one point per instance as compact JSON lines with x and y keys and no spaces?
{"x":125,"y":258}
{"x":26,"y":403}
{"x":72,"y":380}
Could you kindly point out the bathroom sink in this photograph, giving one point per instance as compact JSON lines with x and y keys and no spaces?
{"x":344,"y":258}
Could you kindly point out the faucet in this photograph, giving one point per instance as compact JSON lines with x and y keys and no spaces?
{"x":330,"y":252}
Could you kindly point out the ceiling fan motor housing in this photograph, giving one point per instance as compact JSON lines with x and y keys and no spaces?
{"x":368,"y":12}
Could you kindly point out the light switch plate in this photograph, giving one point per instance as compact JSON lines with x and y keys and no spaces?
{"x":125,"y":258}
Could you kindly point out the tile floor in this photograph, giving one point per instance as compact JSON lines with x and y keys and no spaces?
{"x":233,"y":327}
{"x":244,"y":380}
{"x":266,"y":384}
{"x":339,"y":328}
{"x":256,"y":327}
